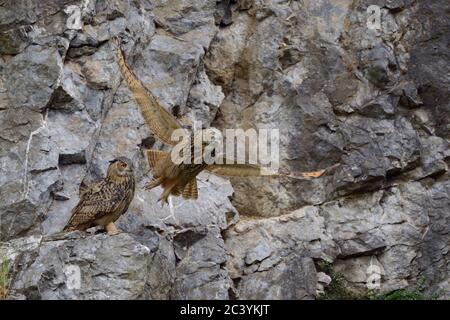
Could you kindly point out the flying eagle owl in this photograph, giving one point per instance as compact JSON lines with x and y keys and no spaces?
{"x":180,"y":179}
{"x":102,"y":203}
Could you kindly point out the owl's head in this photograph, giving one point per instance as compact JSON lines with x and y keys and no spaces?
{"x":121,"y":167}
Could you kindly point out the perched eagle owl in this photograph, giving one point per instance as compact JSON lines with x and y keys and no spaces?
{"x":180,"y":179}
{"x":102,"y":203}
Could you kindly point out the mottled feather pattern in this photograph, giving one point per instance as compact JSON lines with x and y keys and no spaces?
{"x":190,"y":190}
{"x":153,"y":156}
{"x":180,"y":179}
{"x":103,"y":201}
{"x":157,"y":117}
{"x":234,"y":169}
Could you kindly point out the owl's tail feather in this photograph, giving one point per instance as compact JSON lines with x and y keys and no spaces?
{"x":190,"y":190}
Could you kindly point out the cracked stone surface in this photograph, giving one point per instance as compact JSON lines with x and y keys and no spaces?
{"x":376,"y":101}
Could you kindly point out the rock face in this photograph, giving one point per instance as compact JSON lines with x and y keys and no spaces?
{"x":338,"y":87}
{"x":114,"y":267}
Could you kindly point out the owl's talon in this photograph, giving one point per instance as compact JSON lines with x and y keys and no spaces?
{"x":148,"y":186}
{"x":153,"y":184}
{"x":163,"y":201}
{"x":111,"y":229}
{"x":160,"y":201}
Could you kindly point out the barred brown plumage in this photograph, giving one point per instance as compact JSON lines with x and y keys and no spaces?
{"x":180,"y":179}
{"x":103,"y":202}
{"x":161,"y":122}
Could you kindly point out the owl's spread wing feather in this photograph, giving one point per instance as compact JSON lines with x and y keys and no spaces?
{"x":235,"y":170}
{"x":248,"y":170}
{"x":244,"y":170}
{"x":160,"y":121}
{"x":100,"y":199}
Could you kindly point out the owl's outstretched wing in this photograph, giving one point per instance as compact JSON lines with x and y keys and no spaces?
{"x":248,"y":170}
{"x":159,"y":120}
{"x":244,"y":170}
{"x":98,"y":200}
{"x":235,"y":170}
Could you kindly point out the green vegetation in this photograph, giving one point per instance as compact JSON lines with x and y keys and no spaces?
{"x":404,"y":294}
{"x":337,"y":290}
{"x":4,"y":278}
